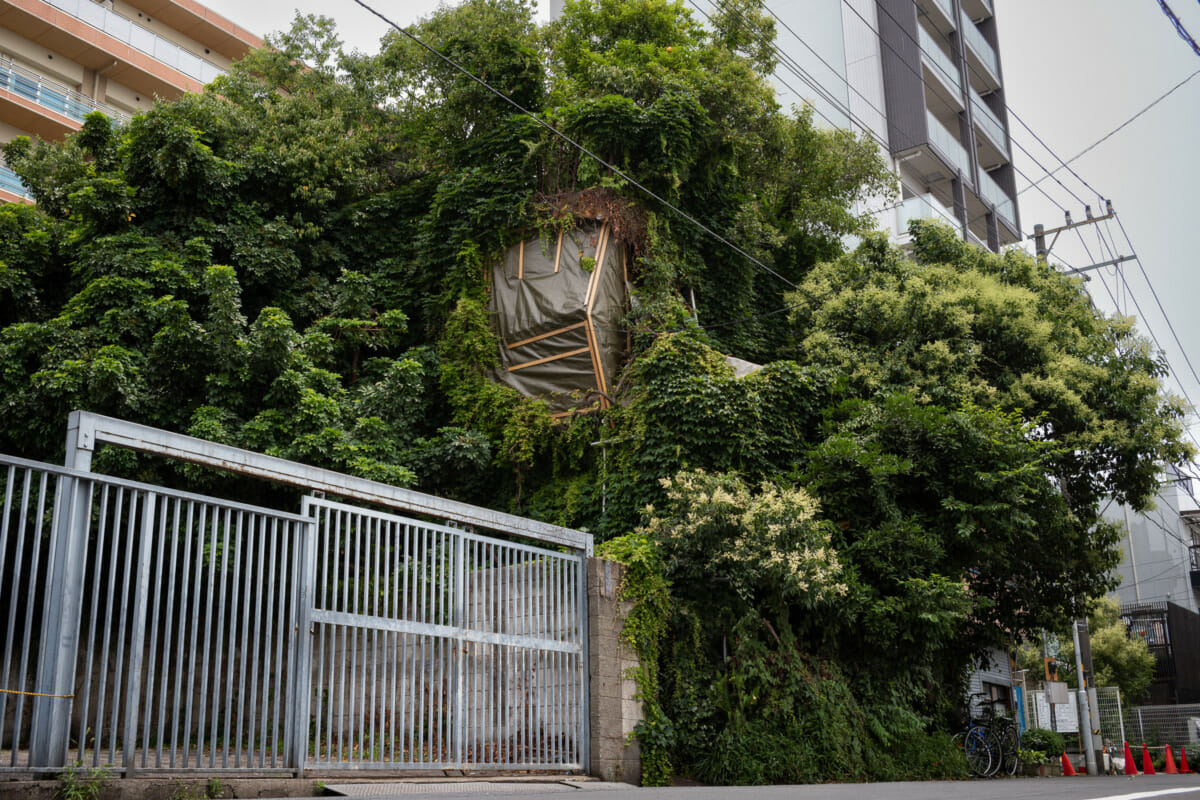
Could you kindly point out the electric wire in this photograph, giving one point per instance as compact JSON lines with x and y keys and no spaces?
{"x":1114,"y":131}
{"x":542,"y":123}
{"x":1183,"y":34}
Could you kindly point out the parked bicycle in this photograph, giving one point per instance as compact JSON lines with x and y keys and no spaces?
{"x":991,"y":741}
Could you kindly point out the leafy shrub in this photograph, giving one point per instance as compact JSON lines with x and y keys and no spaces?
{"x":1042,"y":739}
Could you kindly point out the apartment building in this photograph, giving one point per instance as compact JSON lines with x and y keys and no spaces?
{"x":62,"y":59}
{"x":923,"y":78}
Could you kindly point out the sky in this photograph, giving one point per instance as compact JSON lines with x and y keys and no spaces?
{"x":1074,"y":70}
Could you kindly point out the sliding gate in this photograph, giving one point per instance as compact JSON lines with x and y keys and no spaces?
{"x":144,"y":629}
{"x":435,"y":647}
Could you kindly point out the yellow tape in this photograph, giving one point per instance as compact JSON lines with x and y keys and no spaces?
{"x":33,"y":694}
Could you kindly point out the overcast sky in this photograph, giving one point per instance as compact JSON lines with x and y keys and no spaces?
{"x":1074,"y":70}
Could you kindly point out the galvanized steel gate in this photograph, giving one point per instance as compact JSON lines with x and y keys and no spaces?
{"x":146,"y":629}
{"x":437,"y":647}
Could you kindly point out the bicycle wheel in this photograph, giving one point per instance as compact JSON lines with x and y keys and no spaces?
{"x":1010,"y":744}
{"x":978,"y":752}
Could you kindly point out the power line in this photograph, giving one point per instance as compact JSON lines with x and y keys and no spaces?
{"x":1183,"y":34}
{"x":615,"y":170}
{"x":1113,"y":132}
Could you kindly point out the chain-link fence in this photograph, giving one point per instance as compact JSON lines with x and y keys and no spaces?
{"x":1064,"y":717}
{"x":1175,"y":725}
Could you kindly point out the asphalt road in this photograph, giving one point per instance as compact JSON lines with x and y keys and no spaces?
{"x":1144,"y":787}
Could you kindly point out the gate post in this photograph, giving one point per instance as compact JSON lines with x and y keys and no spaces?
{"x":297,"y":729}
{"x":50,"y":730}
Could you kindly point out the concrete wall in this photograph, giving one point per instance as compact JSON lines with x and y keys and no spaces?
{"x":614,"y":712}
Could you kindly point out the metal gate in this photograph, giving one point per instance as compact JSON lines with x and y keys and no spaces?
{"x":436,"y":647}
{"x":144,"y":628}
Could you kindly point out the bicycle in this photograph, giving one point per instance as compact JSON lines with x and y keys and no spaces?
{"x":991,"y":742}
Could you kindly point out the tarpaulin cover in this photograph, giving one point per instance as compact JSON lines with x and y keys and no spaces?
{"x":557,"y":305}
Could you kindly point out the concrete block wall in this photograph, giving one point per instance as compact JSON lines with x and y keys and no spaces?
{"x":613,"y":711}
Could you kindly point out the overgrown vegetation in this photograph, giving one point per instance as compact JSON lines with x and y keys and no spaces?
{"x":295,"y":262}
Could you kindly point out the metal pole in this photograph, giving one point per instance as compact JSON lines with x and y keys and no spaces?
{"x":1085,"y":717}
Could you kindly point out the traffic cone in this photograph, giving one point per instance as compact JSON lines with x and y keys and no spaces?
{"x":1147,"y":764}
{"x":1183,"y":767}
{"x":1130,"y":765}
{"x":1169,"y":768}
{"x":1068,"y":770}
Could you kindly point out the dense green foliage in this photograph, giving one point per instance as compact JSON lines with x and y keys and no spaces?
{"x":1118,"y":658}
{"x":296,"y":262}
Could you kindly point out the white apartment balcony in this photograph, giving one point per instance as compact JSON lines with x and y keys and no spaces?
{"x":98,"y":39}
{"x":11,"y":188}
{"x":978,"y":9}
{"x":992,"y":145}
{"x":943,"y":84}
{"x":37,"y":105}
{"x":983,"y":65}
{"x":202,"y":25}
{"x":940,"y":14}
{"x":922,"y":206}
{"x":947,"y":145}
{"x":990,"y":191}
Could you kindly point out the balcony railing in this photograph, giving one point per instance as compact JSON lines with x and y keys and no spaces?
{"x":938,"y":58}
{"x":946,"y":7}
{"x":990,"y":191}
{"x":981,"y":46}
{"x":946,"y":143}
{"x":924,"y":206}
{"x":988,"y":120}
{"x":51,"y":95}
{"x":9,"y":182}
{"x":140,"y":38}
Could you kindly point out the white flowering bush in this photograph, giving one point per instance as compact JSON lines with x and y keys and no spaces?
{"x":762,"y":543}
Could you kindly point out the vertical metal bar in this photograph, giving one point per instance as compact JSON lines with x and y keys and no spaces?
{"x":460,"y":621}
{"x":267,"y":734}
{"x":13,"y":581}
{"x":146,"y":695}
{"x":344,"y":537}
{"x":192,"y":689}
{"x":138,"y":629}
{"x":90,"y":643}
{"x":171,"y":630}
{"x":253,"y":531}
{"x":189,"y":588}
{"x":300,"y":664}
{"x":256,"y":724}
{"x":125,"y":599}
{"x":12,"y":609}
{"x":322,"y":698}
{"x":393,"y":586}
{"x":405,"y":614}
{"x":358,"y":588}
{"x":205,"y":692}
{"x":229,"y":617}
{"x":214,"y":699}
{"x":581,"y":602}
{"x":278,"y":554}
{"x":373,"y":554}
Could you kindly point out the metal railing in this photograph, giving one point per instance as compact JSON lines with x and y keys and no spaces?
{"x":434,"y":646}
{"x":938,"y":59}
{"x":186,"y":612}
{"x":988,"y":120}
{"x":924,"y":206}
{"x":51,"y":95}
{"x":140,"y":38}
{"x":945,"y":141}
{"x":981,"y":46}
{"x":990,"y":191}
{"x":10,"y":182}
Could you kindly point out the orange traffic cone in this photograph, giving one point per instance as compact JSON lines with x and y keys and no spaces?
{"x":1068,"y":770}
{"x":1130,"y":765}
{"x":1147,"y":764}
{"x":1183,"y":767}
{"x":1169,"y":768}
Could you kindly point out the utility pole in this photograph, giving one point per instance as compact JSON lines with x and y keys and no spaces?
{"x":1043,"y":251}
{"x":1085,"y":715}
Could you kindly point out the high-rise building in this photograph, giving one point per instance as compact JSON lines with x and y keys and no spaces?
{"x":922,"y":77}
{"x":62,"y":59}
